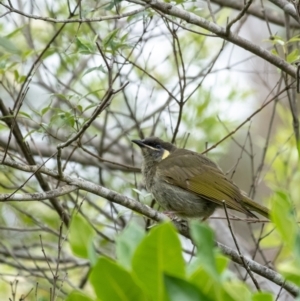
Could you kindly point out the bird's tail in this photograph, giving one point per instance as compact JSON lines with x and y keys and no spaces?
{"x":253,"y":206}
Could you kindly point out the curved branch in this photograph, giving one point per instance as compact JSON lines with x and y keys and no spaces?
{"x":287,"y":7}
{"x":80,"y":20}
{"x":258,"y":12}
{"x":192,"y":18}
{"x":150,"y":213}
{"x":5,"y":197}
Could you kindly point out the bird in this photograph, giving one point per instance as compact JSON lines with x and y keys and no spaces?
{"x":188,"y":184}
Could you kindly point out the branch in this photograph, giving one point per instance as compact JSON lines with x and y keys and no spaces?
{"x":29,"y":158}
{"x":80,"y":20}
{"x":154,"y":215}
{"x":287,"y":7}
{"x":249,"y":118}
{"x":39,"y":196}
{"x":101,"y":107}
{"x":258,"y":12}
{"x":191,"y":18}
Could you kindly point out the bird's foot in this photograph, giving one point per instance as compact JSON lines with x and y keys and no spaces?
{"x":171,"y":215}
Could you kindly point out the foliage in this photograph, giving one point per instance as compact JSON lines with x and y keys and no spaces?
{"x":157,"y":270}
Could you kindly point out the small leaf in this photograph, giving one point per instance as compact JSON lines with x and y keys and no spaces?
{"x":277,"y":40}
{"x":28,"y":134}
{"x":24,"y":114}
{"x":45,"y":110}
{"x":84,"y":46}
{"x":110,"y":37}
{"x":283,"y":216}
{"x":81,"y":236}
{"x":99,"y":68}
{"x":9,"y":46}
{"x":293,"y":56}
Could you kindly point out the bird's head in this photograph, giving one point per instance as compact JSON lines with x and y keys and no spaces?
{"x":154,"y":149}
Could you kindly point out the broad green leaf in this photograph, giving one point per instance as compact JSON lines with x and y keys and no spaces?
{"x":158,"y":253}
{"x":180,"y":289}
{"x":262,"y":296}
{"x":81,"y":237}
{"x":112,"y":282}
{"x":127,"y":242}
{"x":221,"y":262}
{"x":78,"y":296}
{"x":203,"y":236}
{"x":206,"y":283}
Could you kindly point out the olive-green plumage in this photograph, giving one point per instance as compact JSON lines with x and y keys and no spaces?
{"x":188,"y":183}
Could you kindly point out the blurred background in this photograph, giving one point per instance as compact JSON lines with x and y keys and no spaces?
{"x":175,"y":80}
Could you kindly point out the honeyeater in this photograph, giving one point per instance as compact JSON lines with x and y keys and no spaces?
{"x":189,"y":184}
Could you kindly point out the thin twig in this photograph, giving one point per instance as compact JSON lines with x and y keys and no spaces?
{"x":238,"y":249}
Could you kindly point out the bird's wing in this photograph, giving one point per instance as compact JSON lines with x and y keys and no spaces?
{"x":187,"y":170}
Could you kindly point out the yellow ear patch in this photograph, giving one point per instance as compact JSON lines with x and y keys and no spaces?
{"x":165,"y":154}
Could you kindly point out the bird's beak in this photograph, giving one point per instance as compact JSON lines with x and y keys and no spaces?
{"x":139,"y":143}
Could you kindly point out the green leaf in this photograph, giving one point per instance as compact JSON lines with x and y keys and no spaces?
{"x":221,"y":263}
{"x":78,"y":296}
{"x":236,"y":291}
{"x":294,"y":39}
{"x":24,"y":114}
{"x":28,"y":134}
{"x":112,"y":4}
{"x":9,"y":46}
{"x":84,"y":46}
{"x":291,"y":270}
{"x":127,"y":242}
{"x":293,"y":56}
{"x":283,"y":216}
{"x":179,"y":290}
{"x":112,"y":282}
{"x":277,"y":40}
{"x":206,"y":283}
{"x":81,"y":237}
{"x":261,"y":296}
{"x":99,"y":68}
{"x":107,"y":40}
{"x":45,"y":110}
{"x":203,"y":236}
{"x":159,"y":252}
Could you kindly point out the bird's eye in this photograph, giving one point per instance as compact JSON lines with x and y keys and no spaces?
{"x":158,"y":146}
